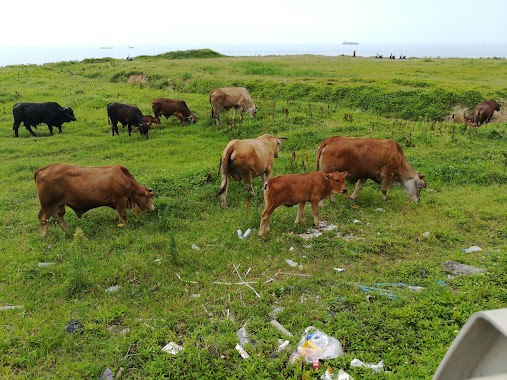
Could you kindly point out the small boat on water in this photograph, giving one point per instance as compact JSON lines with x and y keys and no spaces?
{"x":107,"y":47}
{"x":350,"y":43}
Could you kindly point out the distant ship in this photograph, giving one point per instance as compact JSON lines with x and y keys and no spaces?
{"x":350,"y":43}
{"x":107,"y":47}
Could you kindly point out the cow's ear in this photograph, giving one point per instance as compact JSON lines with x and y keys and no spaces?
{"x":345,"y":173}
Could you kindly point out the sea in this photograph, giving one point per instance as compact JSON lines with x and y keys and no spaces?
{"x":45,"y":54}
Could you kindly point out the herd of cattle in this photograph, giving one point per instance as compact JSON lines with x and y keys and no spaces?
{"x":338,"y":158}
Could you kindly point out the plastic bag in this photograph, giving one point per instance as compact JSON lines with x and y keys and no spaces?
{"x":316,"y":345}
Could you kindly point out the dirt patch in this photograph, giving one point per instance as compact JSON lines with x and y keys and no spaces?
{"x":137,"y":79}
{"x":458,"y":114}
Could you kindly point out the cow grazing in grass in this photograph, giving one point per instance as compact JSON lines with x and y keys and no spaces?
{"x":169,"y":107}
{"x":83,"y":188}
{"x":483,"y":113}
{"x":236,"y":98}
{"x":292,"y":189}
{"x":129,"y":116}
{"x":33,"y":114}
{"x":382,"y":161}
{"x":245,"y":159}
{"x":150,"y":120}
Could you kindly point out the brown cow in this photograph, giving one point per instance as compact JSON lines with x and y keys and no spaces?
{"x":244,"y":159}
{"x":150,"y":120}
{"x":85,"y":187}
{"x":292,"y":189}
{"x":484,"y":112}
{"x":168,"y":107}
{"x":231,"y":97}
{"x":382,"y":161}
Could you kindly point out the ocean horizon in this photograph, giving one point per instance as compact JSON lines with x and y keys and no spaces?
{"x":47,"y":54}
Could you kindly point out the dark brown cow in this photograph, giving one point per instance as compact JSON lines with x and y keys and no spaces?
{"x":382,"y":161}
{"x":484,"y":112}
{"x":150,"y":120}
{"x":292,"y":189}
{"x":170,"y":107}
{"x":83,"y":188}
{"x":129,"y":116}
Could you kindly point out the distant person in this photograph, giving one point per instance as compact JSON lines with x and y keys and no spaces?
{"x":353,"y":55}
{"x":129,"y":58}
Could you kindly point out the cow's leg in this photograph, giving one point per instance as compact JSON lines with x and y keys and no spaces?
{"x":29,"y":128}
{"x":43,"y":220}
{"x":15,"y":127}
{"x":130,"y":129}
{"x":58,"y":215}
{"x":247,"y":178}
{"x":59,"y":128}
{"x":225,"y":186}
{"x":50,"y":127}
{"x":299,"y":215}
{"x":315,"y":210}
{"x":114,"y":128}
{"x":266,"y":214}
{"x":384,"y":185}
{"x":122,"y":212}
{"x":359,"y":185}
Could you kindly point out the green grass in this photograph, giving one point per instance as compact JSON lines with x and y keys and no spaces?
{"x":169,"y":291}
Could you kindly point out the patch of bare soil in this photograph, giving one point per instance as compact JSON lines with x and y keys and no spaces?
{"x":137,"y":79}
{"x":458,"y":114}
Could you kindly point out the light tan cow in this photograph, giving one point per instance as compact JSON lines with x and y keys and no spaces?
{"x":382,"y":161}
{"x":292,"y":189}
{"x":236,"y":98}
{"x":245,"y":159}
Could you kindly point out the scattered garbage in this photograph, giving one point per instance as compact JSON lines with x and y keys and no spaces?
{"x":282,"y":344}
{"x":291,"y":263}
{"x":375,"y":367}
{"x":356,"y":221}
{"x":107,"y":375}
{"x":275,"y":312}
{"x":291,"y":249}
{"x":331,"y":375}
{"x":339,"y":269}
{"x":316,"y":345}
{"x":472,"y":249}
{"x":441,"y":282}
{"x":459,"y":269}
{"x":244,"y":235}
{"x":172,"y":348}
{"x":426,"y":234}
{"x":314,"y":232}
{"x":242,"y":352}
{"x":112,"y":289}
{"x":280,"y":328}
{"x":118,"y":330}
{"x":379,"y":288}
{"x":195,"y":247}
{"x":10,"y":307}
{"x":243,"y":335}
{"x":46,"y":264}
{"x":74,"y":325}
{"x":380,"y":209}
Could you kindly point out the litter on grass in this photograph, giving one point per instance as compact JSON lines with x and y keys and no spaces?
{"x":472,"y":249}
{"x":292,"y":263}
{"x":280,"y":328}
{"x":316,"y":345}
{"x":243,"y":335}
{"x":375,"y":367}
{"x":314,"y":232}
{"x":172,"y":348}
{"x":331,"y":375}
{"x":195,"y":247}
{"x":242,"y":352}
{"x":379,"y":288}
{"x":244,"y":235}
{"x":112,"y":289}
{"x":459,"y":269}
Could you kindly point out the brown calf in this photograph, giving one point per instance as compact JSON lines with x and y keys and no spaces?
{"x":292,"y":189}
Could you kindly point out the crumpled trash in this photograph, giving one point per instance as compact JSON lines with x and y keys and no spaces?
{"x":331,"y":375}
{"x":292,"y":263}
{"x":243,"y":335}
{"x":74,"y":325}
{"x":242,"y":352}
{"x":172,"y":348}
{"x":195,"y":247}
{"x":107,"y":375}
{"x":459,"y":269}
{"x":375,"y":367}
{"x":282,"y":344}
{"x":472,"y":249}
{"x":113,"y":289}
{"x":379,"y":288}
{"x":244,"y":235}
{"x":316,"y":345}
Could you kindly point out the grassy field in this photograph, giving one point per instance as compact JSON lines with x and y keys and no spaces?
{"x":178,"y":268}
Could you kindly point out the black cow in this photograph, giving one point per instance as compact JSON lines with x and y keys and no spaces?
{"x":129,"y":116}
{"x":32,"y":114}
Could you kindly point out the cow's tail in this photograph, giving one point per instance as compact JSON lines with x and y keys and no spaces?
{"x":212,"y":109}
{"x":36,"y":173}
{"x":225,"y":168}
{"x":319,"y":153}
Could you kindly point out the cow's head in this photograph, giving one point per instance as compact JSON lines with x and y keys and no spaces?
{"x":143,"y":129}
{"x":143,"y":200}
{"x":497,"y":106}
{"x":277,"y":141}
{"x":337,"y":182}
{"x":251,"y":110}
{"x":69,"y":113}
{"x":413,"y":186}
{"x":191,"y":119}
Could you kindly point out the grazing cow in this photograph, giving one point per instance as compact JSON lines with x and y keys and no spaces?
{"x":85,"y":187}
{"x":150,"y":120}
{"x":129,"y":116}
{"x":244,"y":159}
{"x":32,"y":114}
{"x":168,"y":107}
{"x":382,"y":161}
{"x":231,"y":97}
{"x":484,"y":112}
{"x":292,"y":189}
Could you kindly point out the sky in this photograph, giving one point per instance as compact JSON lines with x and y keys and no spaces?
{"x":202,"y":22}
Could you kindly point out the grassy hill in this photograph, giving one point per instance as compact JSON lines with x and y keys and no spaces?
{"x":178,"y":268}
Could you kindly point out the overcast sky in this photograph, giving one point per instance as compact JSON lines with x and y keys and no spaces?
{"x":201,"y":22}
